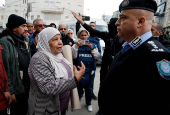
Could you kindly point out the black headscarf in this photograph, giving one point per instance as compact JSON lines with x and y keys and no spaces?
{"x":112,"y":27}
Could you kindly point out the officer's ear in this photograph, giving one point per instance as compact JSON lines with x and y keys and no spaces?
{"x":141,"y":21}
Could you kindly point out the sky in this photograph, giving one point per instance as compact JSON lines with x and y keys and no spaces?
{"x":96,"y":8}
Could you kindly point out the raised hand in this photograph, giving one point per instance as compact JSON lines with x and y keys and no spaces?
{"x":78,"y":17}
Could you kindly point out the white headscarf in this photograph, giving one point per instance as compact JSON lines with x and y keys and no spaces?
{"x":80,"y":30}
{"x":43,"y":46}
{"x":71,"y":31}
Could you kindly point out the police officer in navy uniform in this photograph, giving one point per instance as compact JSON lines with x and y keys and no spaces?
{"x":138,"y":81}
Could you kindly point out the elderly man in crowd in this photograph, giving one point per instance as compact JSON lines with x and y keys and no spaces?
{"x":65,"y":38}
{"x":30,"y":27}
{"x":38,"y":27}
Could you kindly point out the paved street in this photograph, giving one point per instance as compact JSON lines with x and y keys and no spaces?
{"x":84,"y":110}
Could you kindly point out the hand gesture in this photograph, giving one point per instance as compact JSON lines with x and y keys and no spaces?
{"x":8,"y":97}
{"x":90,"y":46}
{"x":78,"y":17}
{"x":79,"y":74}
{"x":79,"y":43}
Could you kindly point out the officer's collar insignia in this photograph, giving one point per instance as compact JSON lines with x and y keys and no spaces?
{"x":125,"y":3}
{"x":164,"y":69}
{"x":136,"y":41}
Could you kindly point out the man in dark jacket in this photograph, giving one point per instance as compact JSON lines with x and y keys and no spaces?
{"x":16,"y":57}
{"x":139,"y":77}
{"x":65,"y":38}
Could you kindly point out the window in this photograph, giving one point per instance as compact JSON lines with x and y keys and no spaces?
{"x":68,"y":5}
{"x":161,"y":8}
{"x":32,"y":17}
{"x":8,"y":8}
{"x":52,"y":3}
{"x":33,"y":4}
{"x":23,"y":1}
{"x":58,"y":3}
{"x":16,"y":6}
{"x":166,"y":17}
{"x":46,"y":3}
{"x":38,"y":16}
{"x":66,"y":17}
{"x":79,"y":7}
{"x":52,"y":16}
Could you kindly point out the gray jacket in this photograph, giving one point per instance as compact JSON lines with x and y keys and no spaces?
{"x":45,"y":88}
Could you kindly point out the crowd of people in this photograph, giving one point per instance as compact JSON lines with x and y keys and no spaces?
{"x":36,"y":79}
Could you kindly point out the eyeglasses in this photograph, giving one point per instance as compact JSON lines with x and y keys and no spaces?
{"x":70,"y":33}
{"x":41,"y":25}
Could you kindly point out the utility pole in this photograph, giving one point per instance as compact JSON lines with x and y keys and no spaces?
{"x":29,"y":8}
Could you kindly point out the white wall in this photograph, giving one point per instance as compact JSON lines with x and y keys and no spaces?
{"x":50,"y":13}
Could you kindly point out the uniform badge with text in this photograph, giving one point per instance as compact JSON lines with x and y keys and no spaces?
{"x":164,"y":68}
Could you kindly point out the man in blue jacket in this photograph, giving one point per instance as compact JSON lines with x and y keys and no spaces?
{"x":38,"y":27}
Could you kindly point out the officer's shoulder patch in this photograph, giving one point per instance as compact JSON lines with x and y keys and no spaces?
{"x":164,"y":68}
{"x":154,"y":46}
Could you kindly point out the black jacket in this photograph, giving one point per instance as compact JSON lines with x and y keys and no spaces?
{"x":14,"y":59}
{"x":133,"y":84}
{"x":67,"y":40}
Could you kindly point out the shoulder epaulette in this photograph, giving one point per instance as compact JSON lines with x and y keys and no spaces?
{"x":154,"y":46}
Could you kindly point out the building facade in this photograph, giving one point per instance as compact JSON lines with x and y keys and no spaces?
{"x":163,"y":13}
{"x":51,"y":11}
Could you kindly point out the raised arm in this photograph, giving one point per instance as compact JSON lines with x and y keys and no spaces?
{"x":102,"y":35}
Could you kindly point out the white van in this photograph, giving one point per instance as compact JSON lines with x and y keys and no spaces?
{"x":100,"y":25}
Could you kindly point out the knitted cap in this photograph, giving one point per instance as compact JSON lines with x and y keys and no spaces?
{"x":15,"y":21}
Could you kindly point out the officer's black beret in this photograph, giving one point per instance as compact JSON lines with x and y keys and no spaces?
{"x":149,"y":5}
